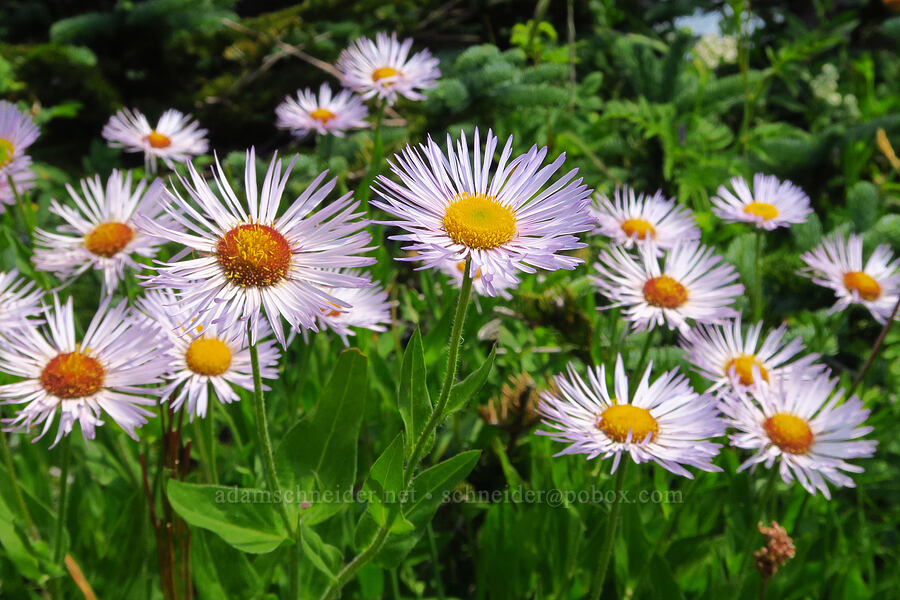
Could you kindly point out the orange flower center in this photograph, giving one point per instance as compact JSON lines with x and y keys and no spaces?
{"x":322,"y":114}
{"x":6,"y":151}
{"x":665,"y":292}
{"x":763,"y":210}
{"x":108,"y":239}
{"x":158,"y":140}
{"x":384,"y":73}
{"x":72,"y":375}
{"x":789,"y":432}
{"x":863,"y":284}
{"x":479,"y":221}
{"x":254,"y":255}
{"x":638,"y":227}
{"x":617,"y":420}
{"x":743,"y":366}
{"x":208,"y":356}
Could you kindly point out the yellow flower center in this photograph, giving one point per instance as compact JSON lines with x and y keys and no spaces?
{"x":617,"y":420}
{"x":158,"y":140}
{"x":108,"y":239}
{"x":743,"y":366}
{"x":761,"y":209}
{"x":789,"y":432}
{"x":322,"y":114}
{"x":639,"y":227}
{"x":479,"y":222}
{"x":6,"y":151}
{"x":863,"y":284}
{"x":384,"y":73}
{"x":665,"y":292}
{"x":254,"y":255}
{"x":208,"y":356}
{"x":72,"y":375}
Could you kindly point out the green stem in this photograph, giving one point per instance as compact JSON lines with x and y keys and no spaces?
{"x":293,"y":568}
{"x":611,"y":525}
{"x":645,"y":352}
{"x":262,"y":432}
{"x":879,"y":342}
{"x":757,"y":273}
{"x":210,"y":430}
{"x":356,"y":564}
{"x":61,"y":511}
{"x":14,"y":480}
{"x":435,"y":563}
{"x":762,"y":506}
{"x":365,"y":188}
{"x":449,"y":378}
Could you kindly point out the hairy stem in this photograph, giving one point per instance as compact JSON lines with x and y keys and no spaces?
{"x":611,"y":526}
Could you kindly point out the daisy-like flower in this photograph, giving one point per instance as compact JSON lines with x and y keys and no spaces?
{"x":103,"y":373}
{"x":20,"y":300}
{"x":666,"y":421}
{"x":383,"y":68}
{"x":322,"y":114}
{"x":99,"y":232}
{"x":693,"y":283}
{"x":501,"y":284}
{"x":176,"y":138}
{"x":17,"y":133}
{"x":366,"y":308}
{"x":802,"y":424}
{"x":837,"y":263}
{"x":635,"y":218}
{"x":455,"y":209}
{"x":247,"y":263}
{"x":770,"y":204}
{"x":725,"y":355}
{"x":203,"y":357}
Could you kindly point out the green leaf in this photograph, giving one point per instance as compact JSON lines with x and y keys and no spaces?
{"x":385,"y":481}
{"x":463,"y":391}
{"x":243,"y":517}
{"x":863,"y":203}
{"x":220,"y":571}
{"x":325,"y":557}
{"x":319,"y":453}
{"x":412,"y":398}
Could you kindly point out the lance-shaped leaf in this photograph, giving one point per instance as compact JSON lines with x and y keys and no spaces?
{"x":413,"y":400}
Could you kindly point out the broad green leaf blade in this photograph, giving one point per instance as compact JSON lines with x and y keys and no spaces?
{"x":319,"y":453}
{"x":412,"y":399}
{"x":325,"y":557}
{"x":385,"y":481}
{"x":220,"y":571}
{"x":244,"y":518}
{"x":463,"y":391}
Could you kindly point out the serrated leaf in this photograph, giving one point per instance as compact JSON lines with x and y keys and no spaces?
{"x":242,"y":517}
{"x":412,"y":398}
{"x":319,"y":453}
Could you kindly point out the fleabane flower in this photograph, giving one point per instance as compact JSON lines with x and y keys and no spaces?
{"x":176,"y":137}
{"x":99,"y":231}
{"x":837,"y":263}
{"x":384,"y":69}
{"x":666,"y":421}
{"x":106,"y":372}
{"x":727,"y":356}
{"x":456,"y":207}
{"x":691,"y":284}
{"x":769,"y":205}
{"x":363,"y":308}
{"x":631,"y":219}
{"x":501,"y":284}
{"x":17,"y":133}
{"x":249,"y":261}
{"x":204,"y":357}
{"x":323,"y":113}
{"x":20,"y":301}
{"x":802,"y":425}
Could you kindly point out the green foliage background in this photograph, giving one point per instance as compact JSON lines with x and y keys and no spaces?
{"x":625,"y":96}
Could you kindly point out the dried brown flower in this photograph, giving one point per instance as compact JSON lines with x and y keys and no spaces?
{"x":778,"y":550}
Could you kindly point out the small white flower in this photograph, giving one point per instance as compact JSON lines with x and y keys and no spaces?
{"x":99,"y":232}
{"x":108,"y":371}
{"x":692,"y":284}
{"x":769,"y":205}
{"x":365,"y":308}
{"x":801,"y":424}
{"x":17,"y":133}
{"x":837,"y":263}
{"x":635,"y":219}
{"x":176,"y":138}
{"x":666,"y":421}
{"x":383,"y":68}
{"x":322,"y":114}
{"x":20,"y":301}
